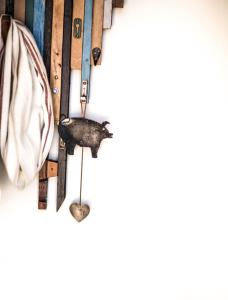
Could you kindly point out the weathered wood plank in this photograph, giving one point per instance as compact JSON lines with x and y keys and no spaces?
{"x":48,"y":170}
{"x":56,"y":55}
{"x":65,"y":90}
{"x":19,"y":10}
{"x":2,"y":6}
{"x":10,"y":7}
{"x":61,"y":181}
{"x":43,"y":189}
{"x":48,"y":167}
{"x":52,"y":169}
{"x":87,"y":43}
{"x":76,"y":42}
{"x":38,"y":23}
{"x":118,"y":3}
{"x":29,"y":14}
{"x":97,"y":28}
{"x":107,"y":23}
{"x":48,"y":35}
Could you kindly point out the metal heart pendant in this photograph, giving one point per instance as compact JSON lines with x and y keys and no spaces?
{"x":79,"y":211}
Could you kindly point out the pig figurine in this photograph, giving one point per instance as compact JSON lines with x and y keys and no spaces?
{"x":83,"y":132}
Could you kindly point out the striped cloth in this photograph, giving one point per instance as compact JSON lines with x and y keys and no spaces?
{"x":26,"y":112}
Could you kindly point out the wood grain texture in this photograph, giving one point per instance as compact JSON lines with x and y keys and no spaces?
{"x":38,"y":23}
{"x":64,"y":104}
{"x":19,"y":10}
{"x":29,"y":14}
{"x":107,"y":23}
{"x":10,"y":7}
{"x":52,"y":169}
{"x":87,"y":44}
{"x":66,"y":56}
{"x":48,"y":35}
{"x":43,"y":190}
{"x":2,"y":6}
{"x":43,"y":171}
{"x":76,"y":44}
{"x":47,"y":168}
{"x":56,"y":55}
{"x":118,"y":3}
{"x":97,"y":28}
{"x":61,"y":181}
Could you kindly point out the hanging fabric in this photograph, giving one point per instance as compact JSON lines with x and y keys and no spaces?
{"x":26,"y":105}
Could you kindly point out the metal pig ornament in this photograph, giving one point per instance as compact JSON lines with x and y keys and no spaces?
{"x":83,"y":132}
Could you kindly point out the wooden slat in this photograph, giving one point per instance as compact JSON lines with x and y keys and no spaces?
{"x":48,"y":35}
{"x":87,"y":43}
{"x":38,"y":23}
{"x":2,"y":6}
{"x":10,"y":7}
{"x":97,"y":29}
{"x":65,"y":90}
{"x":43,"y":189}
{"x":48,"y":170}
{"x":107,"y":23}
{"x":19,"y":10}
{"x":61,"y":181}
{"x":56,"y":55}
{"x":29,"y":13}
{"x":52,"y":169}
{"x":76,"y":43}
{"x":118,"y":3}
{"x":45,"y":171}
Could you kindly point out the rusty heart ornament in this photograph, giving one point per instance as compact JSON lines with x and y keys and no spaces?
{"x":79,"y":211}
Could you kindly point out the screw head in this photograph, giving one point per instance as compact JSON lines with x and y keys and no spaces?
{"x":55,"y":90}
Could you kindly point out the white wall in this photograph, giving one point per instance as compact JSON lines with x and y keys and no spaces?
{"x":158,"y":192}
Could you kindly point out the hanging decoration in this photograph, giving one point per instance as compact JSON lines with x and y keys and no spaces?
{"x":84,"y":133}
{"x":69,"y":37}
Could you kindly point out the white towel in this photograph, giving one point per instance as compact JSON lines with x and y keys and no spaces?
{"x":27,"y":125}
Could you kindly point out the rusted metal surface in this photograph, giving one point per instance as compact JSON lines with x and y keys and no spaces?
{"x":79,"y":211}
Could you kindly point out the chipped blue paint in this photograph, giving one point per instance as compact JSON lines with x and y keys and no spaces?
{"x":87,"y":40}
{"x":38,"y":23}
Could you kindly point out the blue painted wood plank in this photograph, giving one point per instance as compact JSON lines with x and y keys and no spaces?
{"x":29,"y":14}
{"x":86,"y":46}
{"x":38,"y":23}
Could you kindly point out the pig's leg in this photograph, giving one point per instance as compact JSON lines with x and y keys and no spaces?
{"x":70,"y":148}
{"x":94,"y":151}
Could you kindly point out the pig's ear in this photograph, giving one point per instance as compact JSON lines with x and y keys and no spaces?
{"x":105,"y":123}
{"x":62,"y":117}
{"x":65,"y":121}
